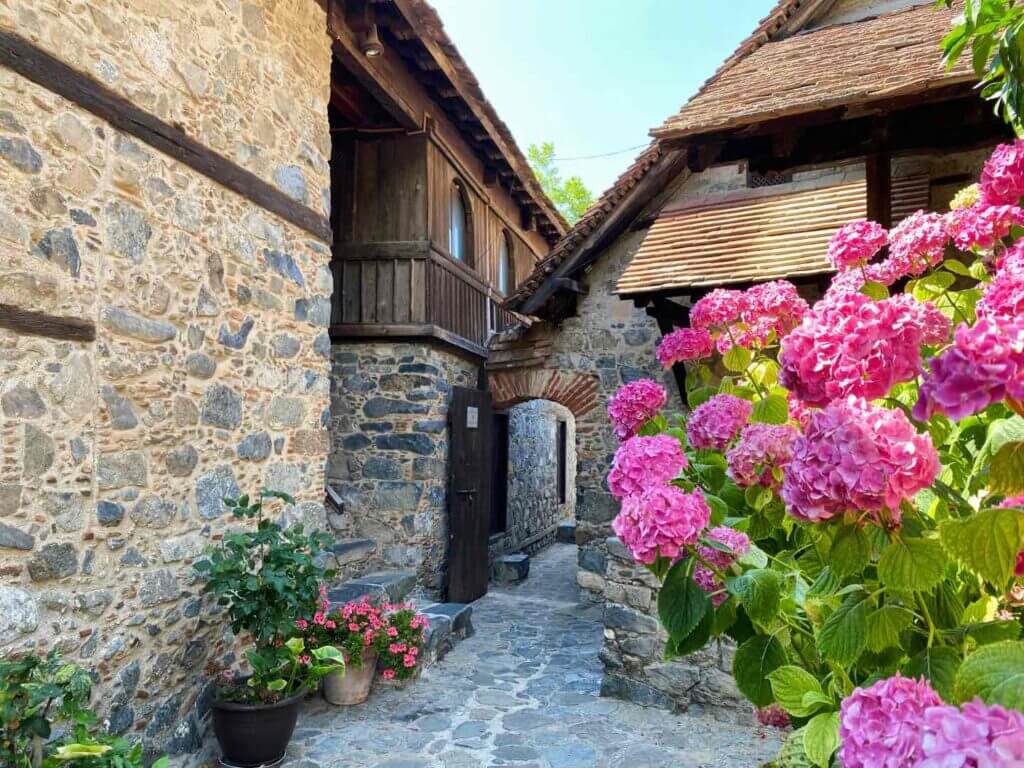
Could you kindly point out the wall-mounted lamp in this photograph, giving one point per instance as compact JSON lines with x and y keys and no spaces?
{"x":370,"y":43}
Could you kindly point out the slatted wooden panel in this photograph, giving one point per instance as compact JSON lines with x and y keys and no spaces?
{"x":458,"y":303}
{"x":375,"y":291}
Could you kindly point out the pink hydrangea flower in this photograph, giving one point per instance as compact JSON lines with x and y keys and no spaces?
{"x":982,"y":226}
{"x":880,"y":726}
{"x":1002,"y":178}
{"x":1003,"y":298}
{"x":761,"y":449}
{"x":799,"y":411}
{"x":974,"y":735}
{"x":984,"y":366}
{"x":641,"y":462}
{"x":634,"y":404}
{"x":853,"y":345}
{"x":715,"y":423}
{"x":684,"y":344}
{"x":718,"y":310}
{"x":915,"y":244}
{"x":860,"y":457}
{"x":703,"y":576}
{"x":855,"y":244}
{"x":661,"y":521}
{"x":772,"y":310}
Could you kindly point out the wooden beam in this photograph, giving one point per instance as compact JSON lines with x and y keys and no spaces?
{"x":878,"y":168}
{"x":669,"y":316}
{"x":29,"y":323}
{"x":21,"y":56}
{"x":416,"y":331}
{"x":570,"y":285}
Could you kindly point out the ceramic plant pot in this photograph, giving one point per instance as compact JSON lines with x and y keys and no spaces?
{"x":255,"y":734}
{"x":351,"y":685}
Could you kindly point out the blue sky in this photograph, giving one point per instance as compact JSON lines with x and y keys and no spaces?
{"x":594,"y":75}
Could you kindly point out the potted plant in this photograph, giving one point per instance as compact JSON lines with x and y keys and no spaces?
{"x":266,"y":576}
{"x":400,"y":657}
{"x":359,"y":630}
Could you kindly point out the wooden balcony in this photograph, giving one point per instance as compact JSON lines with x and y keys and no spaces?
{"x":412,"y":289}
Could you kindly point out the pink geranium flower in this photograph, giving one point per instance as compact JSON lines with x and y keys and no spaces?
{"x":641,"y":462}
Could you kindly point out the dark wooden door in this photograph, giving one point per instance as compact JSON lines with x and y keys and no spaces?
{"x":469,"y":494}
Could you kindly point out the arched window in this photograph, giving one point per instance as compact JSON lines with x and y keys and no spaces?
{"x":459,"y":231}
{"x":506,"y":275}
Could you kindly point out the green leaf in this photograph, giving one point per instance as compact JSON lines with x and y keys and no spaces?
{"x":986,"y":543}
{"x":329,"y":653}
{"x":276,"y":685}
{"x":771,"y":410}
{"x":938,"y":664}
{"x":885,"y":626}
{"x":753,"y":662}
{"x":994,"y":631}
{"x":826,"y":584}
{"x":850,"y":552}
{"x":790,"y":684}
{"x":755,"y":557}
{"x":295,"y":645}
{"x":995,"y":673}
{"x":161,"y":763}
{"x":737,"y":358}
{"x":681,"y":603}
{"x":933,"y":284}
{"x":957,"y":267}
{"x":696,"y":640}
{"x":1006,"y":472}
{"x":793,"y":754}
{"x":843,"y":636}
{"x":912,"y":565}
{"x":876,"y":291}
{"x":759,"y":591}
{"x":821,"y":738}
{"x":80,"y":751}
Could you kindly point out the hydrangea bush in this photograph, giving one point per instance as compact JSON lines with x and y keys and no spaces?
{"x":844,"y":498}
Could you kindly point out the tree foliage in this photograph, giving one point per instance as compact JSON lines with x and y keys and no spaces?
{"x":570,"y":196}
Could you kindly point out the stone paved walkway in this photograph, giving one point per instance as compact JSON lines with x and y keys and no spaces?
{"x":522,"y":692}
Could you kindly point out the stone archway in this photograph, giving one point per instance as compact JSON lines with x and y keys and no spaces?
{"x":576,"y":391}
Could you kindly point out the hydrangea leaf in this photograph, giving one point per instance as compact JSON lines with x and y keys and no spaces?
{"x":681,"y":603}
{"x":821,"y":738}
{"x":694,"y":641}
{"x":912,"y":565}
{"x":843,"y":636}
{"x":793,"y":754}
{"x":850,"y":552}
{"x":876,"y":291}
{"x":995,"y":673}
{"x":885,"y":625}
{"x":759,"y":590}
{"x":986,"y":543}
{"x":753,"y":662}
{"x":939,"y":665}
{"x":737,"y":358}
{"x":1006,"y":472}
{"x":771,"y":410}
{"x":790,"y":684}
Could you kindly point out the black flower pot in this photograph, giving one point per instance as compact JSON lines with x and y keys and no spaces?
{"x":252,"y":735}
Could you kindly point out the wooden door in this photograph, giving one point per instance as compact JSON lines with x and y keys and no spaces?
{"x":469,"y":494}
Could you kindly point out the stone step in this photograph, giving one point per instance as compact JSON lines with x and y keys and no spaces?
{"x":566,"y":532}
{"x":348,"y":551}
{"x":510,"y":569}
{"x":449,"y":623}
{"x":381,"y":587}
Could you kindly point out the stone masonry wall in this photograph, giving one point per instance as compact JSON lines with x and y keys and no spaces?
{"x":389,"y":450}
{"x":534,"y":509}
{"x":209,"y":373}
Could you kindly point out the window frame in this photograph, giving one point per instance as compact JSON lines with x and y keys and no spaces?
{"x":506,"y":249}
{"x":465,"y":254}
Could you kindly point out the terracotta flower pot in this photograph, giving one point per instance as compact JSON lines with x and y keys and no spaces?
{"x":255,"y":734}
{"x":352,"y":685}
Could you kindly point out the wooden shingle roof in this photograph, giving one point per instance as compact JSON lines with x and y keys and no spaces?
{"x":847,"y":64}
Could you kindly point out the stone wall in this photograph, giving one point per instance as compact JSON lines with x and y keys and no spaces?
{"x":389,"y":450}
{"x":534,"y":509}
{"x":209,"y":372}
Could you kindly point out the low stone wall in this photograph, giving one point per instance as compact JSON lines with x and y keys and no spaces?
{"x":389,"y":450}
{"x":534,"y":509}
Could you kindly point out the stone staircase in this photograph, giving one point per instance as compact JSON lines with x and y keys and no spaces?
{"x":448,"y":622}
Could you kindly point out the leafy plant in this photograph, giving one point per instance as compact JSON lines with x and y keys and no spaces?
{"x":281,"y":670}
{"x":400,"y":658}
{"x":266,"y":576}
{"x":356,"y":628}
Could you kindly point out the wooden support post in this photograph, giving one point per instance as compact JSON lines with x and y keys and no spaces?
{"x":878,"y":169}
{"x":669,"y":316}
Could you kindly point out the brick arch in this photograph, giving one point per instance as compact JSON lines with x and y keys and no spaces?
{"x":576,"y":391}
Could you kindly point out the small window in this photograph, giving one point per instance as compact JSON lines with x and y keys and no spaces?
{"x":506,"y":279}
{"x":458,"y":224}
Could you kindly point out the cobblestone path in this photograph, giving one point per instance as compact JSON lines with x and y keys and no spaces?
{"x":523,"y":691}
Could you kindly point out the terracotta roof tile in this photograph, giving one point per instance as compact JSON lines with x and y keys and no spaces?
{"x":876,"y":58}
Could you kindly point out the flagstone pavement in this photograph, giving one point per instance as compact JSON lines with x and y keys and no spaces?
{"x":523,"y":691}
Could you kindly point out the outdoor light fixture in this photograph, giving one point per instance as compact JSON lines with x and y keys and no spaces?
{"x":371,"y":43}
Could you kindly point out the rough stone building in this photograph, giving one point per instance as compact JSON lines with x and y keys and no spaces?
{"x":745,"y":184}
{"x":243,"y":243}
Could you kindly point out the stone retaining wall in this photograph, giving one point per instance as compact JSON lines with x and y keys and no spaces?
{"x":209,"y":372}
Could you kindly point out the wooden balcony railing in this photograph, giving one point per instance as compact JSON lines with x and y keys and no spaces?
{"x":411,"y":289}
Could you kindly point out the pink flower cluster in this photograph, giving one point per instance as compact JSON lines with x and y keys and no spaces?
{"x":860,"y":457}
{"x":915,"y":244}
{"x":705,"y":578}
{"x":1002,"y":178}
{"x":684,"y":344}
{"x":718,"y":310}
{"x":902,"y":723}
{"x":984,"y":365}
{"x":641,"y":462}
{"x":661,"y":522}
{"x":634,"y":404}
{"x":772,"y":715}
{"x":715,"y":423}
{"x":761,"y":449}
{"x":852,"y":345}
{"x":1003,"y":298}
{"x":751,"y":318}
{"x":982,"y":226}
{"x":855,"y":244}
